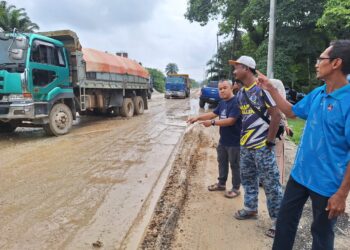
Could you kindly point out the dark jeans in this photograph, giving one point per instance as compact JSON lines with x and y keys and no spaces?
{"x":289,"y":215}
{"x":228,"y":155}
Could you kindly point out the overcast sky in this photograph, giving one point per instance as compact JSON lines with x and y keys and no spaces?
{"x":153,"y":32}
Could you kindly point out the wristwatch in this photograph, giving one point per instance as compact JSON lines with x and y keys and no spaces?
{"x":213,"y":122}
{"x":270,"y":144}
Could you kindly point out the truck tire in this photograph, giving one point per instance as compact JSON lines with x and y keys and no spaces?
{"x":139,"y":105}
{"x":7,"y":127}
{"x":127,"y":109}
{"x":201,"y":103}
{"x":60,"y":120}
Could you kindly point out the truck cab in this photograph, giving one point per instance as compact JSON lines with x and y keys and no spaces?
{"x":34,"y":81}
{"x":209,"y":94}
{"x":177,"y":85}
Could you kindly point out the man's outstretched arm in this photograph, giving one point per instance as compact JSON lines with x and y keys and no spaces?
{"x":281,"y":103}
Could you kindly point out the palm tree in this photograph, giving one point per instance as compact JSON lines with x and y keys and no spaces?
{"x":11,"y":17}
{"x":171,"y":68}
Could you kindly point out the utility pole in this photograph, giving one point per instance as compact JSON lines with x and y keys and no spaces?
{"x":272,"y":35}
{"x":217,"y":44}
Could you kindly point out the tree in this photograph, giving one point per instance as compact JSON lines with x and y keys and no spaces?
{"x":171,"y":68}
{"x":158,"y":79}
{"x":298,"y":40}
{"x":194,"y":83}
{"x":11,"y":17}
{"x":336,"y":19}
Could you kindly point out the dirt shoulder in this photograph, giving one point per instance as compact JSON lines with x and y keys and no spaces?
{"x":190,"y":217}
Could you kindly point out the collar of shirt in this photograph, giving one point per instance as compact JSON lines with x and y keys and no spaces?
{"x":339,"y":93}
{"x":250,"y":87}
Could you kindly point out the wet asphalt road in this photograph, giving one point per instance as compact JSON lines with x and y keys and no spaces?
{"x":90,"y":186}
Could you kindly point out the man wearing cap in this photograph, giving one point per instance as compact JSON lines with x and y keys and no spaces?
{"x":257,"y":158}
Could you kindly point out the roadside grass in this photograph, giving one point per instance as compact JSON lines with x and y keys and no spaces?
{"x":297,"y":126}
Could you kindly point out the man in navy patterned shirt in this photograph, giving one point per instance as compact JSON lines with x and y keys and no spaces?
{"x":257,"y":158}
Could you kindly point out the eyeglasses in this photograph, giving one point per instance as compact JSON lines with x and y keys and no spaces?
{"x":319,"y":59}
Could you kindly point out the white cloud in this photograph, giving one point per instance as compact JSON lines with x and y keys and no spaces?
{"x":154,"y":32}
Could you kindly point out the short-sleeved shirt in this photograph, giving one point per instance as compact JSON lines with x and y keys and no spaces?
{"x":324,"y":151}
{"x":254,"y":128}
{"x":229,"y":135}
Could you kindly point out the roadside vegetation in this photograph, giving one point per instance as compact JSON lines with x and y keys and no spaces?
{"x":297,"y":126}
{"x":303,"y":30}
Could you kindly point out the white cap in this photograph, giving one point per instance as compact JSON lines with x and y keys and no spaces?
{"x":245,"y":60}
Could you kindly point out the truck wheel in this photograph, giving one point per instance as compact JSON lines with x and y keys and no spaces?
{"x":139,"y":105}
{"x":201,"y":103}
{"x":127,"y":109}
{"x":7,"y":127}
{"x":60,"y":120}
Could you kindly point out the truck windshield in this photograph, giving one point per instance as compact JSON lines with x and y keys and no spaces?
{"x":6,"y":62}
{"x":213,"y":84}
{"x":172,"y":79}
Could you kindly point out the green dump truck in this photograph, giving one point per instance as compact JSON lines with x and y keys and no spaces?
{"x":47,"y":78}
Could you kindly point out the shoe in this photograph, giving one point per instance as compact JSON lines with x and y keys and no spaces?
{"x":232,"y":193}
{"x":271,"y":232}
{"x":217,"y":187}
{"x":245,"y":215}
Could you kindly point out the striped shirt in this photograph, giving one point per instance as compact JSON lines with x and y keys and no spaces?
{"x":254,"y":128}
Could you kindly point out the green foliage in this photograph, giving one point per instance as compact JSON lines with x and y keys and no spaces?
{"x":194,"y":83}
{"x":303,"y":30}
{"x":201,"y":11}
{"x":297,"y":126}
{"x":171,"y":68}
{"x":11,"y":17}
{"x":336,"y":19}
{"x":158,"y":79}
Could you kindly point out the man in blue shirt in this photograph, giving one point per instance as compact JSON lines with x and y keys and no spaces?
{"x":230,"y":129}
{"x":322,"y":166}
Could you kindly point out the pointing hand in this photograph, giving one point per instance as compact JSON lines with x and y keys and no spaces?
{"x":263,"y":81}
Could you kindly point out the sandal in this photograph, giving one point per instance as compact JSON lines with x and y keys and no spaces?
{"x":216,"y":187}
{"x":232,"y":193}
{"x":270,"y":233}
{"x":245,"y":215}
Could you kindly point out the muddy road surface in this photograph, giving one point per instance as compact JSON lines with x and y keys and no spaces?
{"x":93,"y":188}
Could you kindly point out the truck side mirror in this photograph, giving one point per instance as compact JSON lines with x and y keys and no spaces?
{"x":16,"y":54}
{"x":3,"y":35}
{"x":21,"y":42}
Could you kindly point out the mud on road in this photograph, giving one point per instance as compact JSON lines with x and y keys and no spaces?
{"x":90,"y":187}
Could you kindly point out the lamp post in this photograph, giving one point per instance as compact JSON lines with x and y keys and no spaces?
{"x":272,"y":35}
